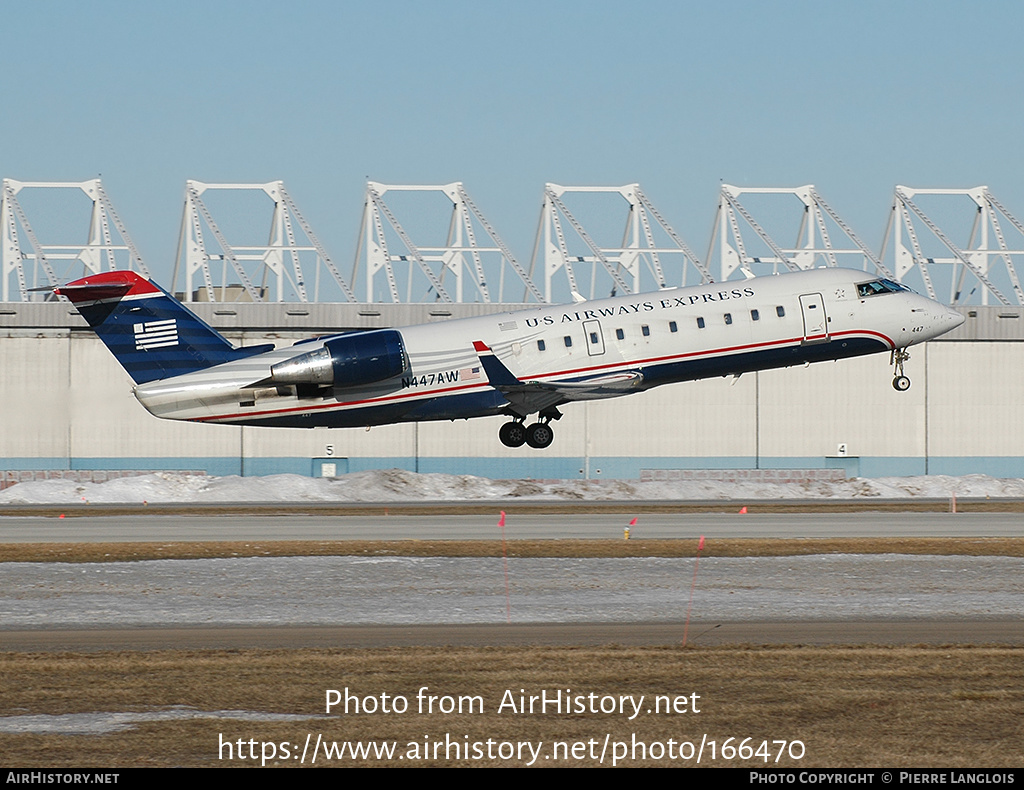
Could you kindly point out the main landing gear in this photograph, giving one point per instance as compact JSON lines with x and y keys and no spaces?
{"x":516,"y":434}
{"x":513,"y":434}
{"x":900,"y":383}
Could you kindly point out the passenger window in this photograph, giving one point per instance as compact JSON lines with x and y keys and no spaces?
{"x":780,"y":311}
{"x":755,"y":315}
{"x":646,"y":330}
{"x":620,"y":334}
{"x":728,"y":318}
{"x":700,"y":323}
{"x":568,"y":341}
{"x":593,"y":338}
{"x":541,"y":345}
{"x":672,"y":327}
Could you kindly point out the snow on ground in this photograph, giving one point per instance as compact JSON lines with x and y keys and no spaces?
{"x":397,"y":485}
{"x":106,"y":722}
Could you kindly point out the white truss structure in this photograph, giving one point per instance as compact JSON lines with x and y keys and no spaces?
{"x":666,"y":263}
{"x":279,"y":268}
{"x":986,"y":261}
{"x":814,"y":245}
{"x":479,"y":270}
{"x":30,"y":263}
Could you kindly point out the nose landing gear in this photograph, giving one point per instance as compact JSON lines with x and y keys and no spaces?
{"x":900,"y":382}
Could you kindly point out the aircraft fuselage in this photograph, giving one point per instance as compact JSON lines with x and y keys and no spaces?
{"x":537,"y":359}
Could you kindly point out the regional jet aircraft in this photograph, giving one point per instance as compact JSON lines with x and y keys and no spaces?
{"x":514,"y":364}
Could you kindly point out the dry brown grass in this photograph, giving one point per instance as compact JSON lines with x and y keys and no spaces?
{"x":851,"y":707}
{"x":740,"y":547}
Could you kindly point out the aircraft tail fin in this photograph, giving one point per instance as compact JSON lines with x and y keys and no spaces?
{"x":152,"y":334}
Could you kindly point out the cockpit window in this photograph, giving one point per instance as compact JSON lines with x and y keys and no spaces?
{"x":876,"y":287}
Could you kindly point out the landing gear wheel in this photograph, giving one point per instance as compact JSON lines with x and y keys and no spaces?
{"x":539,"y":435}
{"x":900,"y":383}
{"x":512,"y":434}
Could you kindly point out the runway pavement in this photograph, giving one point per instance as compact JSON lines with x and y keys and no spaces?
{"x":213,"y":527}
{"x":940,"y":629}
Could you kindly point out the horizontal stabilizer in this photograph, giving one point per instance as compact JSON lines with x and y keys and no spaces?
{"x":85,"y":291}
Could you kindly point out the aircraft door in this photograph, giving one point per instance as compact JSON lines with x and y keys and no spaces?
{"x":595,"y":339}
{"x":812,"y":308}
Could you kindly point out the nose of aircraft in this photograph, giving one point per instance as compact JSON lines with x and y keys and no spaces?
{"x":942,"y":319}
{"x":945,"y":319}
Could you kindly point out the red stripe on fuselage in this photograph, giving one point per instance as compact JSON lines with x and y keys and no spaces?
{"x":691,"y":354}
{"x":575,"y":371}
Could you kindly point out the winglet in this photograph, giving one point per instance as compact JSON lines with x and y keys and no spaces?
{"x":497,"y":374}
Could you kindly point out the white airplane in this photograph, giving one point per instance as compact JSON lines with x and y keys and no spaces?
{"x":514,"y":364}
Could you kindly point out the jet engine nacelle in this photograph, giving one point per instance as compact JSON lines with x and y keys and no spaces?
{"x":346,"y":361}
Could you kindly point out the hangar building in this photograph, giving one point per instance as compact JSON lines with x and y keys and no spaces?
{"x":67,"y":404}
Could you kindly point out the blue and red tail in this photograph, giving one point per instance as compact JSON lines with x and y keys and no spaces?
{"x":152,"y":334}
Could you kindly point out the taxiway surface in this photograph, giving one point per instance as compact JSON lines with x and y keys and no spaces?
{"x":299,"y":526}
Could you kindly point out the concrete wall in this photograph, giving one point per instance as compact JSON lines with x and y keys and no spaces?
{"x":67,"y":404}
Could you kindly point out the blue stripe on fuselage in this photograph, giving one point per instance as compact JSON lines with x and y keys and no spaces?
{"x":489,"y":402}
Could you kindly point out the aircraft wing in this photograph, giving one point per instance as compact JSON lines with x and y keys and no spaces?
{"x":527,"y":397}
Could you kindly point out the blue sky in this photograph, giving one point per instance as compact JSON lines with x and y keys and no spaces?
{"x":853,"y":97}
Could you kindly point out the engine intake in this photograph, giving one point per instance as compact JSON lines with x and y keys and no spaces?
{"x":346,"y":361}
